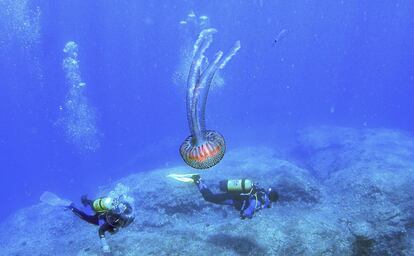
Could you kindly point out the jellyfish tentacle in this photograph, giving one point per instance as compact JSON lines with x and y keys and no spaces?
{"x":193,"y":83}
{"x":204,"y":87}
{"x":236,"y":47}
{"x":206,"y":79}
{"x":201,"y":45}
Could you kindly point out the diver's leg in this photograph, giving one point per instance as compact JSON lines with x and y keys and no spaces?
{"x":102,"y":229}
{"x":105,"y":228}
{"x":93,"y":219}
{"x":222,"y":198}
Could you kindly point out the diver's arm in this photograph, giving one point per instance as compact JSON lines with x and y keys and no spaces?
{"x":93,"y":219}
{"x":249,"y":211}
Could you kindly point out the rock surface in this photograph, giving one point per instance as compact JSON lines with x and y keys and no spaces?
{"x":357,"y":199}
{"x":369,"y":175}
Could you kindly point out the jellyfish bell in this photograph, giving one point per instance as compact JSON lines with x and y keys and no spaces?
{"x":205,"y":153}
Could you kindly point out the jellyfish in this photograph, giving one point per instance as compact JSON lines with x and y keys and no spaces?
{"x":203,"y":148}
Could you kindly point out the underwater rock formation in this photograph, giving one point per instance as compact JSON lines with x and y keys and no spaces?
{"x":330,"y":149}
{"x":79,"y":118}
{"x":369,"y":174}
{"x":363,"y":208}
{"x":203,"y":148}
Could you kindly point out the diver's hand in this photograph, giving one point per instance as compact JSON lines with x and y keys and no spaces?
{"x":70,"y":207}
{"x":105,"y":246}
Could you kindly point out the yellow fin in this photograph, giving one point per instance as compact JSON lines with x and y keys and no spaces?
{"x":182,"y":177}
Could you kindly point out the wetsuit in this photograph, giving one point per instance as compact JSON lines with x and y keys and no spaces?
{"x":247,"y":204}
{"x":107,"y":221}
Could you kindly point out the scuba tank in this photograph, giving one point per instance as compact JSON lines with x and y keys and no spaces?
{"x":103,"y":204}
{"x":236,"y":186}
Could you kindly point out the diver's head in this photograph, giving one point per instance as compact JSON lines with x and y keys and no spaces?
{"x":123,"y":208}
{"x":121,"y":216}
{"x":272,"y":194}
{"x":127,"y":215}
{"x":128,"y":208}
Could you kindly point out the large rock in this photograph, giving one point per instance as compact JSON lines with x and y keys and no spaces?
{"x":362,"y":204}
{"x":326,"y":150}
{"x":368,"y":175}
{"x":173,"y":219}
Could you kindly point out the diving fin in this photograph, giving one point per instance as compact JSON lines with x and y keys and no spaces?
{"x":53,"y":200}
{"x":183,"y":177}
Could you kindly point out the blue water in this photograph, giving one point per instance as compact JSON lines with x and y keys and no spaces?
{"x":302,"y":63}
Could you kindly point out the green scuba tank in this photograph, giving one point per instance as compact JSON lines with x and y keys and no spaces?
{"x":103,"y":204}
{"x":236,"y":186}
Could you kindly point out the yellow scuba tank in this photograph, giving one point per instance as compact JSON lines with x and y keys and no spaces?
{"x":236,"y":186}
{"x":103,"y":204}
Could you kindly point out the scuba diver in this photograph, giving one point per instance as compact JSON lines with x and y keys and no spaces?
{"x":243,"y":194}
{"x":110,"y":214}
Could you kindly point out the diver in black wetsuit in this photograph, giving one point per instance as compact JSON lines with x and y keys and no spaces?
{"x":243,"y":195}
{"x":109,"y":214}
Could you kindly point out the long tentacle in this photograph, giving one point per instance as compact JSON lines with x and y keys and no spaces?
{"x":207,"y":78}
{"x":236,"y":47}
{"x":203,"y":42}
{"x":204,"y":87}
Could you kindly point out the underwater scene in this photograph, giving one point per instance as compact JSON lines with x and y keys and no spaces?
{"x":206,"y":127}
